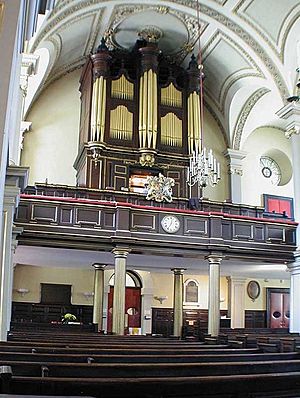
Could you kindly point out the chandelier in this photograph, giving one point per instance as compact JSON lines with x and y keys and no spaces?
{"x":204,"y":169}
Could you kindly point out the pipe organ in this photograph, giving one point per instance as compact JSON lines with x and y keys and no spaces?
{"x":140,"y":116}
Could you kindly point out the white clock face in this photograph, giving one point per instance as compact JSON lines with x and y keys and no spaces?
{"x":270,"y":170}
{"x":170,"y":224}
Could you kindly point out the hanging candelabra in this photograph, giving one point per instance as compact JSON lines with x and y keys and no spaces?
{"x":204,"y":169}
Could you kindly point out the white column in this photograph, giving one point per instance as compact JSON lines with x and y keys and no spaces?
{"x":118,"y":321}
{"x":235,"y":170}
{"x":294,"y":269}
{"x":237,"y":287}
{"x":178,"y":301}
{"x":16,"y":178}
{"x":290,"y":113}
{"x":214,"y":295}
{"x":146,"y":314}
{"x":15,"y":232}
{"x":98,"y":296}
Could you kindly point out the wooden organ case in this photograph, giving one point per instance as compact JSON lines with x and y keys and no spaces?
{"x":140,"y":116}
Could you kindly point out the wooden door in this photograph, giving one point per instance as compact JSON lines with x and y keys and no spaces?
{"x":132,"y":308}
{"x":278,"y":308}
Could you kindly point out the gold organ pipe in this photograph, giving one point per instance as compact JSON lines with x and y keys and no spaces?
{"x":145,"y":110}
{"x":149,"y":109}
{"x":189,"y":124}
{"x":93,"y":124}
{"x":104,"y":108}
{"x":141,"y":111}
{"x":94,"y":110}
{"x":154,"y":101}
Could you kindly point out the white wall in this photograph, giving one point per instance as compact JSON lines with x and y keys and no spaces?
{"x":254,"y":184}
{"x":212,"y":138}
{"x":51,"y":147}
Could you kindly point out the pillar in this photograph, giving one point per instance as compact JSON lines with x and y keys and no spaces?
{"x":16,"y":179}
{"x":290,"y":113}
{"x":235,"y":169}
{"x":178,"y":301}
{"x":214,"y":295}
{"x":146,"y":321}
{"x":236,"y":304}
{"x":98,"y":296}
{"x":294,"y":269}
{"x":118,"y":321}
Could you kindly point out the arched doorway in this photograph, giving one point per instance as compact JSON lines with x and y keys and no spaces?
{"x":132,"y":303}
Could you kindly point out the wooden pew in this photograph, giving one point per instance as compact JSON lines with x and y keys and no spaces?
{"x":154,"y":369}
{"x":132,"y":358}
{"x":227,"y":386}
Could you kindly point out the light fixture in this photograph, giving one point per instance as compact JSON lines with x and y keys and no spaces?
{"x":22,"y":291}
{"x":203,"y":169}
{"x":88,"y":295}
{"x":161,"y":299}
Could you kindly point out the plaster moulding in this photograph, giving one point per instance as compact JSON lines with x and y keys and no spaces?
{"x":285,"y":26}
{"x":121,"y":12}
{"x":232,"y":78}
{"x":243,"y":115}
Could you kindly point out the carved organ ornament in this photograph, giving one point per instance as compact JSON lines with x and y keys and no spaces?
{"x":139,"y":109}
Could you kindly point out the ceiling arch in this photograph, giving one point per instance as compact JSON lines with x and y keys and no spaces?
{"x":240,"y":45}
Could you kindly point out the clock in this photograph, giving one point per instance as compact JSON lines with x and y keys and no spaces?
{"x":270,"y":169}
{"x":170,"y":224}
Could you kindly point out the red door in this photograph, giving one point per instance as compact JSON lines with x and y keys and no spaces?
{"x":132,"y":308}
{"x":279,"y":310}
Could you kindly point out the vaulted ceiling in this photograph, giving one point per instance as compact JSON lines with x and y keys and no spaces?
{"x":249,"y":48}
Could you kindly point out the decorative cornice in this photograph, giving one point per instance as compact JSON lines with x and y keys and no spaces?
{"x":243,"y":115}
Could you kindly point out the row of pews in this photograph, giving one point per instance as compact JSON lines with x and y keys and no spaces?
{"x":88,"y":364}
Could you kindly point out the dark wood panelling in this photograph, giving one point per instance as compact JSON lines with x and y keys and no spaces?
{"x":88,"y":216}
{"x":194,"y":226}
{"x":46,"y":313}
{"x":242,"y":230}
{"x":194,"y":321}
{"x":44,"y":213}
{"x":255,"y":319}
{"x":143,"y":221}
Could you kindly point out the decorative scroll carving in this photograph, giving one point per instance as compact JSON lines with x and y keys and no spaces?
{"x":171,"y":96}
{"x":171,"y":130}
{"x":121,"y":123}
{"x":122,"y":88}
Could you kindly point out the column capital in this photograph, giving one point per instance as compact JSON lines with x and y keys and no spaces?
{"x":99,"y":267}
{"x":294,"y":267}
{"x":121,"y":252}
{"x":236,"y":279}
{"x":234,"y":154}
{"x":178,"y":271}
{"x":291,"y":114}
{"x":214,"y":258}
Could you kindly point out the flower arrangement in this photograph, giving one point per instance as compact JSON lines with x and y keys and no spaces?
{"x":69,"y":318}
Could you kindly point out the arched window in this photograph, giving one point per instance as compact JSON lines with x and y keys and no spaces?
{"x":191,"y":292}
